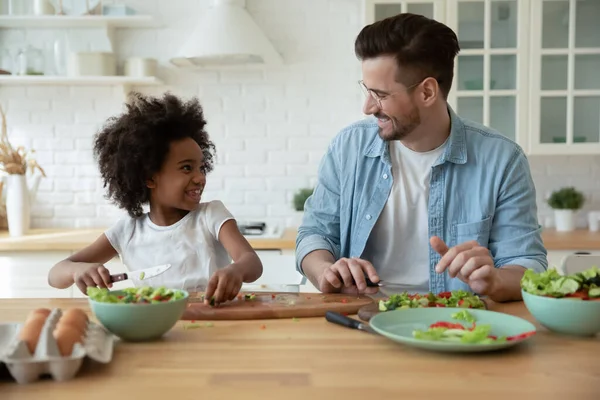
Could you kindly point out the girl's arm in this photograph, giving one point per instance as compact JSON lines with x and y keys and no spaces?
{"x":84,"y":268}
{"x":245,"y":259}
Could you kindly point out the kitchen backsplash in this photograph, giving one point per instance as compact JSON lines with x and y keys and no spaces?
{"x":271,"y":127}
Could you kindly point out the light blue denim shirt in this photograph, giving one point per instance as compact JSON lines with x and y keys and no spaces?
{"x":480,"y":189}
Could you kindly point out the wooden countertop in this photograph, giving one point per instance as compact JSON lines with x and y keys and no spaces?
{"x":76,"y":239}
{"x":580,"y":239}
{"x":314,"y":359}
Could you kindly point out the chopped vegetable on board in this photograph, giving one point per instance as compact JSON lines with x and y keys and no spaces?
{"x":250,"y":296}
{"x":457,"y":298}
{"x":142,"y":275}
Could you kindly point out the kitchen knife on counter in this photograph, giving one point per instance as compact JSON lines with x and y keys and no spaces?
{"x":141,"y":274}
{"x":337,"y":318}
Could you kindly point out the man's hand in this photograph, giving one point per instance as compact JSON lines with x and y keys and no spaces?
{"x":347,"y":275}
{"x":470,"y":262}
{"x":224,"y":285}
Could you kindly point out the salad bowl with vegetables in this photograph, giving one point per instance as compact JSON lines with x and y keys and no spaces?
{"x":453,"y":329}
{"x":138,"y":314}
{"x":568,"y":304}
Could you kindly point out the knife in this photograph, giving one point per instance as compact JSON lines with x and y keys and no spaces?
{"x":337,"y":318}
{"x":141,"y":274}
{"x":383,"y":284}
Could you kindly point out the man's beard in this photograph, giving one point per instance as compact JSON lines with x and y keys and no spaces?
{"x":401,"y":130}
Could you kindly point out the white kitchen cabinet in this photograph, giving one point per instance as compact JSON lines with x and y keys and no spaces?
{"x":25,"y":274}
{"x":490,"y":84}
{"x":526,"y":67}
{"x":565,"y":89}
{"x":376,"y":10}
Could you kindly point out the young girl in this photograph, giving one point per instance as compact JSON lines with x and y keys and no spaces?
{"x":158,"y":154}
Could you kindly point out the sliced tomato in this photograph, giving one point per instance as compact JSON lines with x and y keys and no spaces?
{"x":440,"y":305}
{"x":581,"y":295}
{"x":449,"y":325}
{"x":445,"y":295}
{"x":521,"y":336}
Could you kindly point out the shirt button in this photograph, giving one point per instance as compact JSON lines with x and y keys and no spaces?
{"x":368,"y":217}
{"x":385,"y":176}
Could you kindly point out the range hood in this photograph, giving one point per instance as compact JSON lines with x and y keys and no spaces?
{"x":227,"y":35}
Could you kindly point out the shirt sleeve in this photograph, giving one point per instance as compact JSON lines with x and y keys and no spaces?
{"x":515,"y":238}
{"x":120,"y":233}
{"x":216,"y":215}
{"x":320,"y":228}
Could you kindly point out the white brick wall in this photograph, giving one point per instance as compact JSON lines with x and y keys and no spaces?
{"x":271,"y":127}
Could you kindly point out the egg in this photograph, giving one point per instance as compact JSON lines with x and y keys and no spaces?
{"x":30,"y":332}
{"x":43,"y":311}
{"x":38,"y":313}
{"x":66,"y":336}
{"x":76,"y":318}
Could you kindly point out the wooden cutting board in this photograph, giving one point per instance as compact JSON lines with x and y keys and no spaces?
{"x":368,"y":311}
{"x":269,"y":305}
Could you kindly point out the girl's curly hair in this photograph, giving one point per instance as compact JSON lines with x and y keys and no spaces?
{"x":131,"y":148}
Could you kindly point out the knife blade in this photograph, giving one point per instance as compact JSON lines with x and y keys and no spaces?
{"x":339,"y":319}
{"x":142,"y":274}
{"x":383,"y":284}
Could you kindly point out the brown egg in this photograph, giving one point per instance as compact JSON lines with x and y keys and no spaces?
{"x":30,"y":332}
{"x":74,"y":317}
{"x":38,"y":313}
{"x":43,"y":311}
{"x":66,"y":337}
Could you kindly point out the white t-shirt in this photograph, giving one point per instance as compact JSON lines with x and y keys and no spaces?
{"x":398,"y":246}
{"x":190,"y":245}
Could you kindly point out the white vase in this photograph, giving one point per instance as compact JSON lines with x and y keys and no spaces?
{"x":17,"y":205}
{"x":564,"y":220}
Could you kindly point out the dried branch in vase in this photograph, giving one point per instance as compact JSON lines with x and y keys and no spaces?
{"x":15,"y":161}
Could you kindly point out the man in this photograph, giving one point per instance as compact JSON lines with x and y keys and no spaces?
{"x":418,"y":196}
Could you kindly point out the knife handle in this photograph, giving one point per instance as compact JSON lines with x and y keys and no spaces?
{"x":342,"y":320}
{"x":118,"y":277}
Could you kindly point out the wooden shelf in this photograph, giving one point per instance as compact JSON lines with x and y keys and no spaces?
{"x":80,"y":21}
{"x":79,"y":80}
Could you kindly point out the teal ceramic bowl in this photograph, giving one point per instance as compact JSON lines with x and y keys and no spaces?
{"x":139,"y":322}
{"x":571,"y":317}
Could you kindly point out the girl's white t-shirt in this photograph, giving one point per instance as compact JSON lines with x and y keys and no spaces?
{"x":190,"y":245}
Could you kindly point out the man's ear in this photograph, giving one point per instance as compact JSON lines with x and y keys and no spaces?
{"x":431,"y":91}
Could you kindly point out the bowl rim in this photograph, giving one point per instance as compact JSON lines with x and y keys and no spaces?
{"x":562,"y":299}
{"x":184,"y":299}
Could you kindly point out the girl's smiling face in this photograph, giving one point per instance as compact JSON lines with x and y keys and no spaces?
{"x":180,"y":182}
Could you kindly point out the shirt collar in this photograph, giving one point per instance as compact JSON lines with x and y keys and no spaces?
{"x":455,"y":152}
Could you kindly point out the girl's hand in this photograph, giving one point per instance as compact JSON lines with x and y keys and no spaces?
{"x":93,"y":275}
{"x":224,"y":285}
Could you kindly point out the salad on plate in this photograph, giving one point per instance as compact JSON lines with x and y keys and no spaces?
{"x":456,"y":332}
{"x":583,"y":285}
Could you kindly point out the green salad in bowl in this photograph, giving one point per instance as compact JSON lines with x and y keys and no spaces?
{"x":138,"y":314}
{"x":566,"y":304}
{"x":143,"y":295}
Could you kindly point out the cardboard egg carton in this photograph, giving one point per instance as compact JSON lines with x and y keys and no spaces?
{"x":25,"y":367}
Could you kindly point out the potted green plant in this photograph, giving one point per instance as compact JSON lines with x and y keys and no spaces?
{"x":565,"y":203}
{"x":298,"y":202}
